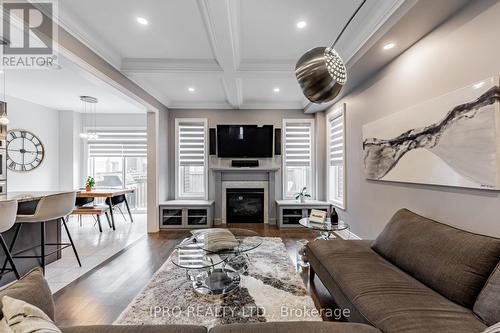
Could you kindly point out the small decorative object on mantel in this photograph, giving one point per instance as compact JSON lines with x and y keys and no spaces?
{"x":317,"y":216}
{"x":89,"y":184}
{"x":302,"y":195}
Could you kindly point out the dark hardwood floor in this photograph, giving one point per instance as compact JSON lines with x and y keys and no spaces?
{"x":99,"y":296}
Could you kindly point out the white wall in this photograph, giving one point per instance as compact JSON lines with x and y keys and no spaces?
{"x":462,"y":51}
{"x":44,"y":123}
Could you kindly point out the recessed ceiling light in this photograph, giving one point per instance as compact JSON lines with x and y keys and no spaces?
{"x":478,"y":85}
{"x":301,"y":24}
{"x":142,"y":20}
{"x":191,"y":89}
{"x":276,"y":90}
{"x":389,"y":46}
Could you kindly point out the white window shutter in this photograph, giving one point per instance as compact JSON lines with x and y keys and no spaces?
{"x":192,"y":143}
{"x":118,"y":143}
{"x":298,"y":143}
{"x":337,"y":141}
{"x":336,"y":157}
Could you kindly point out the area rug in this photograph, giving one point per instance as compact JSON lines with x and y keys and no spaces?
{"x":271,"y":290}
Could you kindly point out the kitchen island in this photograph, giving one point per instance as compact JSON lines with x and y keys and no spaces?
{"x":30,"y":233}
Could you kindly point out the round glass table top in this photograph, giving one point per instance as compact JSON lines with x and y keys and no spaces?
{"x":246,"y":240}
{"x":323,"y":226}
{"x":189,"y":255}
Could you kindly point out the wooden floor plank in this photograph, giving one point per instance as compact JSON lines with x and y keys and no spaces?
{"x":102,"y":294}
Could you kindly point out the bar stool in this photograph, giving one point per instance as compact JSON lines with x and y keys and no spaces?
{"x":49,"y":208}
{"x":8,"y":211}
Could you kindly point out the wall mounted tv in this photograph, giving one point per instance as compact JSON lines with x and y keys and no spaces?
{"x":244,"y":141}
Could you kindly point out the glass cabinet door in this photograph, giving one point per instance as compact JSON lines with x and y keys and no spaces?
{"x":292,"y":215}
{"x":171,"y":217}
{"x":197,"y":216}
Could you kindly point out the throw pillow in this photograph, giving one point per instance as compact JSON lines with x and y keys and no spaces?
{"x":216,"y":239}
{"x":487,"y":305}
{"x":22,"y":317}
{"x":493,"y":329}
{"x":33,"y":289}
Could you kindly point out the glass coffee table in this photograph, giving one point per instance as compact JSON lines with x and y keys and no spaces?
{"x":326,"y":230}
{"x":215,"y":273}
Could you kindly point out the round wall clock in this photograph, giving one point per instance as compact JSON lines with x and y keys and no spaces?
{"x":25,"y":151}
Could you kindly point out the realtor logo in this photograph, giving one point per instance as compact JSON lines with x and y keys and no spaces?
{"x":29,"y":34}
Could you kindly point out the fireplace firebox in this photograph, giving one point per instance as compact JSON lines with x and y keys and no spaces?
{"x":245,"y":205}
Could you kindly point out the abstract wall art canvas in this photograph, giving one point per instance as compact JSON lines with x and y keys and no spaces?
{"x":452,"y":140}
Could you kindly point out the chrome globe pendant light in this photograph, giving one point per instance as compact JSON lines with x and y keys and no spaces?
{"x":321,"y":72}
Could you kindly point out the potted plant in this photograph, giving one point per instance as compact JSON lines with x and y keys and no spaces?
{"x":90,"y":183}
{"x":302,"y":195}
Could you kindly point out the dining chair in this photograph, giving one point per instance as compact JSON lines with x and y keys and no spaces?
{"x":114,"y":202}
{"x":8,"y":211}
{"x":80,"y":202}
{"x":49,"y":208}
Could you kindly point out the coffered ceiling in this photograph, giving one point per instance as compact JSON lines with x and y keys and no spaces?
{"x":236,"y":54}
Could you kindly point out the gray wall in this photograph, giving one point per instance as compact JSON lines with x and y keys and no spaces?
{"x":462,"y":51}
{"x":259,"y":117}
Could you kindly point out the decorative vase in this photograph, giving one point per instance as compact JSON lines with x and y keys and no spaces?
{"x":302,"y":199}
{"x":88,"y":188}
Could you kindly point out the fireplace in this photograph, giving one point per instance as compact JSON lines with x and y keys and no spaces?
{"x":245,"y":205}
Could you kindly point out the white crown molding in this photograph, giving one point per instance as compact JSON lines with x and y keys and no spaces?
{"x":272,"y":105}
{"x":199,"y":105}
{"x":160,"y":65}
{"x":373,"y":15}
{"x":152,"y":91}
{"x":267,"y":65}
{"x":390,"y":13}
{"x":90,"y":38}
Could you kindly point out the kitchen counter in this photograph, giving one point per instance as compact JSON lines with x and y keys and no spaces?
{"x":30,"y":232}
{"x":27,"y":196}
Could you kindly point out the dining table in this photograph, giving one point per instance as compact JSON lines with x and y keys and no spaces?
{"x":108,"y":194}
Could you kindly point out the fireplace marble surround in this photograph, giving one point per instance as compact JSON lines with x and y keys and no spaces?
{"x":245,"y":184}
{"x":267,"y":177}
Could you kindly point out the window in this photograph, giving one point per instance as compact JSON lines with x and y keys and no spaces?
{"x":117,"y":158}
{"x":298,"y":156}
{"x":336,"y":156}
{"x":191,"y":159}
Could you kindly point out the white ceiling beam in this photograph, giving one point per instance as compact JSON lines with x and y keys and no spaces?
{"x":160,"y":65}
{"x":221,"y":19}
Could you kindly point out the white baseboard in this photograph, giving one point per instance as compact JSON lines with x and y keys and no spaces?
{"x":346,"y":234}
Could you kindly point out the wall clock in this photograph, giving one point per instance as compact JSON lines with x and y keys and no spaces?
{"x":25,"y":151}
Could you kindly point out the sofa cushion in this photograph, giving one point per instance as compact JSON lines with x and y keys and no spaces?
{"x":295,"y":327}
{"x":387,"y":297}
{"x":454,"y":262}
{"x":33,"y":289}
{"x":136,"y":329}
{"x":487,"y":305}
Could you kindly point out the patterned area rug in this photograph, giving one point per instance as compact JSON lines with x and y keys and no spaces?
{"x":271,"y":290}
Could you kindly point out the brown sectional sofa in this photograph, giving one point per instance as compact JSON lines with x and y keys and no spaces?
{"x":33,"y":288}
{"x":418,"y":276}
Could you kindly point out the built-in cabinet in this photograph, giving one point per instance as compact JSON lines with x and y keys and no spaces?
{"x":186,"y":214}
{"x":291,"y":211}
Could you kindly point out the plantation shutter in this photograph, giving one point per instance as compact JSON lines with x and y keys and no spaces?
{"x":298,"y":141}
{"x":192,"y":143}
{"x":118,"y":143}
{"x":336,"y":136}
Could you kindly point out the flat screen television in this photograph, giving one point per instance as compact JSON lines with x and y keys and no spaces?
{"x":240,"y":141}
